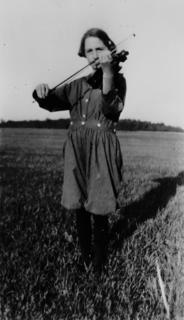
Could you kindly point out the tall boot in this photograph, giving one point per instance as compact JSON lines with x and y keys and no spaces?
{"x":83,"y":222}
{"x":101,"y":235}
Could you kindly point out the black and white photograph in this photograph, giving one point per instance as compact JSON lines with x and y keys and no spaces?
{"x":91,"y":160}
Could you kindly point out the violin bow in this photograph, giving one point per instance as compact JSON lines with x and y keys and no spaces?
{"x":77,"y":72}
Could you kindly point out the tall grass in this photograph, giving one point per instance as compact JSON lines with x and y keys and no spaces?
{"x":41,"y":272}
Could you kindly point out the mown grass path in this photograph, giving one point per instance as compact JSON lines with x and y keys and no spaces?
{"x":41,"y":273}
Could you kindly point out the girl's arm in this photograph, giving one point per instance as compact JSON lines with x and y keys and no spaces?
{"x":52,"y":100}
{"x":113,"y":87}
{"x":113,"y":100}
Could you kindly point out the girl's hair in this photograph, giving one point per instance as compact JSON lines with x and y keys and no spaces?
{"x":98,"y":33}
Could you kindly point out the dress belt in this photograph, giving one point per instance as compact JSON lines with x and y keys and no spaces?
{"x":93,"y":124}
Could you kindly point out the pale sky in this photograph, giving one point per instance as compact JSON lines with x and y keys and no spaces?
{"x":39,"y":41}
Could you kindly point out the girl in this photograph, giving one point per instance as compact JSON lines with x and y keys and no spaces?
{"x":92,"y":156}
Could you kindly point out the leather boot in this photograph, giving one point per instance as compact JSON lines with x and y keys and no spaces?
{"x":101,"y":228}
{"x":83,"y":222}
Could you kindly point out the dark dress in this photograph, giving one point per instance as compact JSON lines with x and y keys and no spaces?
{"x":93,"y":161}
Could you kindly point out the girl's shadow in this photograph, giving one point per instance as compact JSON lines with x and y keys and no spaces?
{"x":144,"y":208}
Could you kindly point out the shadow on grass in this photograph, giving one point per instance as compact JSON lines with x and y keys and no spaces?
{"x":145,"y":208}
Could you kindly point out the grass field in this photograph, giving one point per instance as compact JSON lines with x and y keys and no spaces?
{"x":40,"y":275}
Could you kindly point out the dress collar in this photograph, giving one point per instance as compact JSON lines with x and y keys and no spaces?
{"x":95,"y":79}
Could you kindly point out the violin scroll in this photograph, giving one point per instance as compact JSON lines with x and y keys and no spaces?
{"x":119,"y":57}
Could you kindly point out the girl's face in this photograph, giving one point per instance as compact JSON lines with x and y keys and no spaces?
{"x":93,"y":47}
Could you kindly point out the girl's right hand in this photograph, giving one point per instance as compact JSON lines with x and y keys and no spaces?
{"x":42,"y":90}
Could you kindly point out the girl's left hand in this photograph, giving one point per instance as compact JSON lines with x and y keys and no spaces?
{"x":105,"y":60}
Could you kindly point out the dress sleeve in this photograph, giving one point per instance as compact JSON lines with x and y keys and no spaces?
{"x":57,"y":99}
{"x":113,"y":101}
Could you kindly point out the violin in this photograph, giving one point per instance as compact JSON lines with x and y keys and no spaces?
{"x":117,"y":57}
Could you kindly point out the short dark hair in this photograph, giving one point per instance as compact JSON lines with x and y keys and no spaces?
{"x":98,"y":33}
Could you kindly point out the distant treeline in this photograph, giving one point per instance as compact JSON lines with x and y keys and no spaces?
{"x":125,"y":125}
